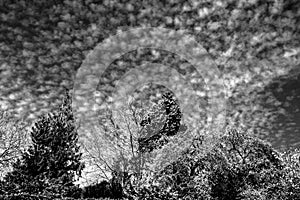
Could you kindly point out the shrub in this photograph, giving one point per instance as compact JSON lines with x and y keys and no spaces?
{"x":102,"y":189}
{"x":240,"y":161}
{"x":239,"y":166}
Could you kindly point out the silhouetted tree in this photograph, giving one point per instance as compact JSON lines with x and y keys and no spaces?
{"x":53,"y":160}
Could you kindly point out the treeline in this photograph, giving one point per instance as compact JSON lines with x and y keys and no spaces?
{"x":239,"y":166}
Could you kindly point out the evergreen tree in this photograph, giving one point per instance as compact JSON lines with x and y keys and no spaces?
{"x":170,"y":128}
{"x":53,"y":160}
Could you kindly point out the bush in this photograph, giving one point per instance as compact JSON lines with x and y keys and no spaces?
{"x":112,"y":189}
{"x":239,"y":166}
{"x":102,"y":189}
{"x":290,"y":183}
{"x":240,"y":161}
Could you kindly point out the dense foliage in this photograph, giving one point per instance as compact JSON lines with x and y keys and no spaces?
{"x":52,"y":162}
{"x":240,"y":166}
{"x":98,"y":190}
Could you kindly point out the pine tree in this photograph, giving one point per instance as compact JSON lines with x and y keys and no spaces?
{"x":53,"y":160}
{"x":170,"y":128}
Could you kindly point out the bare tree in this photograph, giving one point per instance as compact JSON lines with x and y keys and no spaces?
{"x":13,"y":139}
{"x":116,"y":147}
{"x":119,"y":134}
